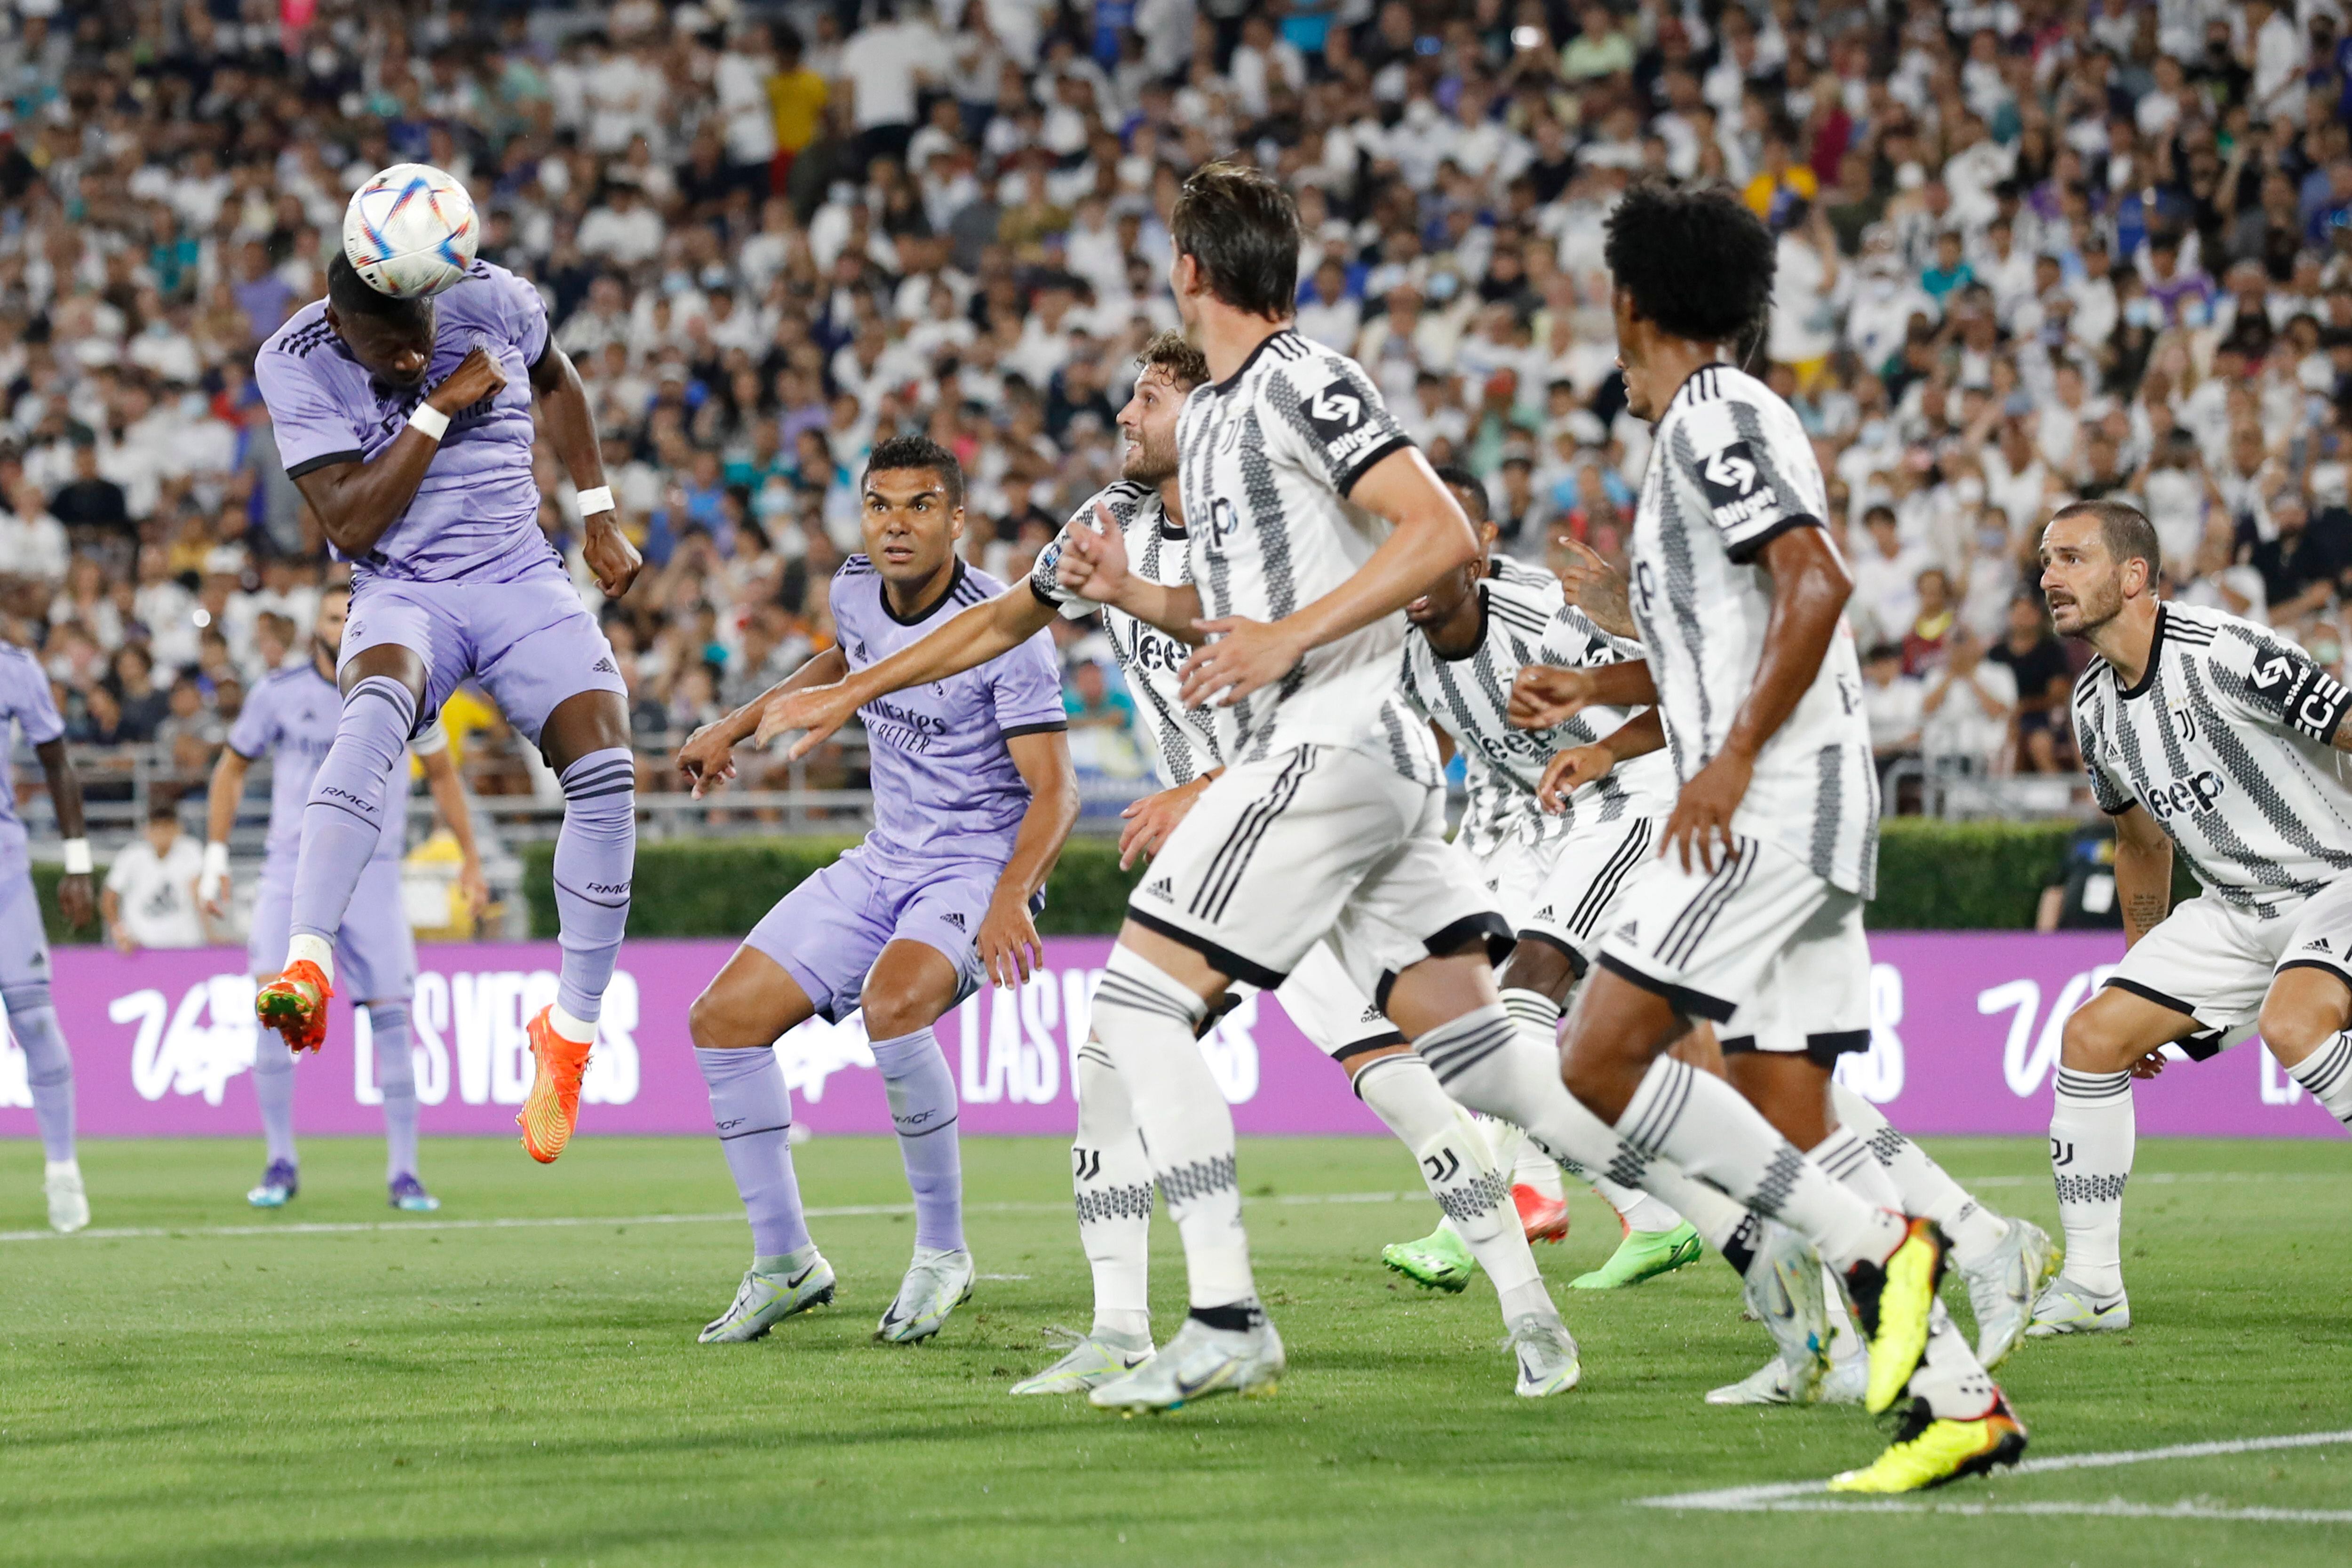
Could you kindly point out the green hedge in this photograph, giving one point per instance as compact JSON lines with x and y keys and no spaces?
{"x":1932,"y":876}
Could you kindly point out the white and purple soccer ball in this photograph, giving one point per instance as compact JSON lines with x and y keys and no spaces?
{"x":411,"y":231}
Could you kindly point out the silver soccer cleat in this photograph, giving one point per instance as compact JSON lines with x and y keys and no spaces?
{"x":1783,"y":1289}
{"x":2067,"y":1307}
{"x":2002,"y":1288}
{"x":1091,"y":1361}
{"x":937,"y":1283}
{"x":1198,"y":1364}
{"x":1845,"y":1384}
{"x":68,"y":1201}
{"x":1546,"y":1356}
{"x":763,"y":1300}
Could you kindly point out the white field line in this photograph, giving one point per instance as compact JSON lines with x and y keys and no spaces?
{"x":549,"y":1221}
{"x":1811,"y":1496}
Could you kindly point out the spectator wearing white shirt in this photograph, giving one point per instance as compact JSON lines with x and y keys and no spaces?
{"x":32,"y":540}
{"x":1968,"y":709}
{"x":149,"y":899}
{"x":1886,"y":579}
{"x":1891,"y":702}
{"x":1327,"y":313}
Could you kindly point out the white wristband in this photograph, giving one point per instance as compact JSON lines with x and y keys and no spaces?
{"x":595,"y":501}
{"x":77,"y":862}
{"x":216,"y":860}
{"x":429,"y":422}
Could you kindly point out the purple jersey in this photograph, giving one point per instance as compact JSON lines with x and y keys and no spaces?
{"x":476,"y":516}
{"x":291,"y":716}
{"x":23,"y":697}
{"x":944,"y":785}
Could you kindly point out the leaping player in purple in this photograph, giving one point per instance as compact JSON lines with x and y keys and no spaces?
{"x":290,"y":717}
{"x":407,"y":424}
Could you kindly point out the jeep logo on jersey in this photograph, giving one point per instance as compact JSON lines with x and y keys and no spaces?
{"x":2193,"y":795}
{"x":1224,"y":523}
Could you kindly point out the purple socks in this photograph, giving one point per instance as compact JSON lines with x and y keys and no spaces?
{"x":753,"y":1113}
{"x":345,"y":814}
{"x":48,"y":1069}
{"x":923,"y":1104}
{"x":594,"y":855}
{"x":395,"y":1077}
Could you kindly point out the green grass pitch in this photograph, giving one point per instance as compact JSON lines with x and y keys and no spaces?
{"x":528,"y":1393}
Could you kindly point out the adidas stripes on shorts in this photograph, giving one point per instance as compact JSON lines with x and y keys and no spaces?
{"x":2214,"y":960}
{"x":1567,"y":893}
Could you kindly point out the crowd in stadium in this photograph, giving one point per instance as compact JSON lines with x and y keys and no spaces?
{"x":2028,"y":249}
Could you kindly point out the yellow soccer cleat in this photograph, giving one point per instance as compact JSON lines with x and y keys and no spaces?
{"x":552,"y":1111}
{"x":295,"y":1005}
{"x":1892,"y":1301}
{"x":1930,"y":1452}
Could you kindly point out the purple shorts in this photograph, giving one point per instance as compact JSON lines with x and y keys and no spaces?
{"x":530,"y":642}
{"x":24,"y":945}
{"x":375,"y":954}
{"x":828,"y":932}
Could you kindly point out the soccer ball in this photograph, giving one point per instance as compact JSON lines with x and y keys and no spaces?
{"x":411,"y":231}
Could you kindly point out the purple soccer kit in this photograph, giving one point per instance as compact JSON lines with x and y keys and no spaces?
{"x":947,"y":805}
{"x":466,"y":580}
{"x":24,"y":947}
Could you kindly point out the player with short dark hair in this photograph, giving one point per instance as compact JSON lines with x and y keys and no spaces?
{"x":2218,"y":740}
{"x":408,"y":426}
{"x":974,"y":797}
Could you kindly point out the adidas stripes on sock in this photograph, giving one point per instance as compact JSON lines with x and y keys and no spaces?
{"x":2327,"y":1076}
{"x":1925,"y":1187}
{"x":2093,"y":1133}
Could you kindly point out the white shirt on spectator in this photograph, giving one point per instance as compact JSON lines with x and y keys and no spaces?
{"x":158,"y":896}
{"x":879,"y":62}
{"x":1959,"y":727}
{"x":1893,"y":711}
{"x":1886,"y":591}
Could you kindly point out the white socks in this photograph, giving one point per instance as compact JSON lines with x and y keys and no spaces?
{"x":2326,"y":1074}
{"x":1473,"y":1191}
{"x":1111,"y":1180}
{"x":1145,"y":1020}
{"x":2092,"y":1136}
{"x":316,"y":948}
{"x":1923,"y":1185}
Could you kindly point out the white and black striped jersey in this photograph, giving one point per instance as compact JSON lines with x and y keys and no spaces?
{"x":1267,"y":459}
{"x":1524,"y":622}
{"x":1146,"y":656}
{"x":1731,"y":470}
{"x":2227,"y":740}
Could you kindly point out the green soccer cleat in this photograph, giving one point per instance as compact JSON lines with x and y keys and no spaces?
{"x":1643,"y":1255}
{"x":1440,"y":1260}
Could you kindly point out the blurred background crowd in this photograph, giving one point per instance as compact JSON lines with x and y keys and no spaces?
{"x":2029,"y":249}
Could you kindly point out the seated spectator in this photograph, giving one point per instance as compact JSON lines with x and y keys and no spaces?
{"x":2044,"y":683}
{"x":2299,"y":567}
{"x":1891,"y":702}
{"x":1885,"y":579}
{"x":1968,"y":709}
{"x":1933,"y":627}
{"x":131,"y":674}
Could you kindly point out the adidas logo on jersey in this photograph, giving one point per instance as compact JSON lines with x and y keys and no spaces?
{"x":1162,"y":889}
{"x":2319,"y":945}
{"x":605,"y":666}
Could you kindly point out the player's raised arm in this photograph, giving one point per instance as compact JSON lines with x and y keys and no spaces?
{"x":1094,"y":566}
{"x":571,"y":425}
{"x":708,"y":758}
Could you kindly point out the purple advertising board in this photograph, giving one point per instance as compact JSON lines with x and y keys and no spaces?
{"x":1965,"y":1041}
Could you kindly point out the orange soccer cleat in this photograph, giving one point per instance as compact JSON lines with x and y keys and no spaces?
{"x":1543,"y":1218}
{"x":295,"y":1005}
{"x":552,"y":1111}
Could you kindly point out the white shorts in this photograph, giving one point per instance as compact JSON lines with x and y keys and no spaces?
{"x":1332,"y":1010}
{"x":2215,"y":961}
{"x":1568,"y":893}
{"x":1319,"y":841}
{"x":1763,"y":936}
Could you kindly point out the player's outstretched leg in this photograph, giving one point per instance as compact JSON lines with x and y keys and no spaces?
{"x":273,"y":1091}
{"x":595,"y":855}
{"x":1474,"y":1193}
{"x":1146,"y":1019}
{"x":923,"y":1108}
{"x":395,"y":1079}
{"x":1110,"y":1178}
{"x":2003,"y":1260}
{"x":48,"y":1072}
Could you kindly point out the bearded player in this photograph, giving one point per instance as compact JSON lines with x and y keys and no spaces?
{"x":407,"y":424}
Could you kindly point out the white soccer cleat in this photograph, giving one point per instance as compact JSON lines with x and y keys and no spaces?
{"x":1546,"y":1356}
{"x":2002,"y":1288}
{"x":937,"y":1283}
{"x":1092,"y":1361}
{"x":1198,"y":1364}
{"x":69,"y":1203}
{"x":1783,"y":1289}
{"x":763,"y":1300}
{"x":2067,"y":1307}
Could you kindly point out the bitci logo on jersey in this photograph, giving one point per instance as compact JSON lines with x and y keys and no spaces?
{"x":1729,"y":480}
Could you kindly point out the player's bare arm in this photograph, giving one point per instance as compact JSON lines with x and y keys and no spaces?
{"x":1597,"y":588}
{"x":1544,"y":695}
{"x":358,"y":502}
{"x":1572,"y":768}
{"x":74,"y":898}
{"x":1429,"y":536}
{"x":570,"y":425}
{"x":449,"y":796}
{"x":1150,"y":820}
{"x":221,"y":795}
{"x":966,"y":642}
{"x":1010,"y":948}
{"x":2143,"y":872}
{"x":1810,"y":587}
{"x":708,"y":758}
{"x":1094,"y":566}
